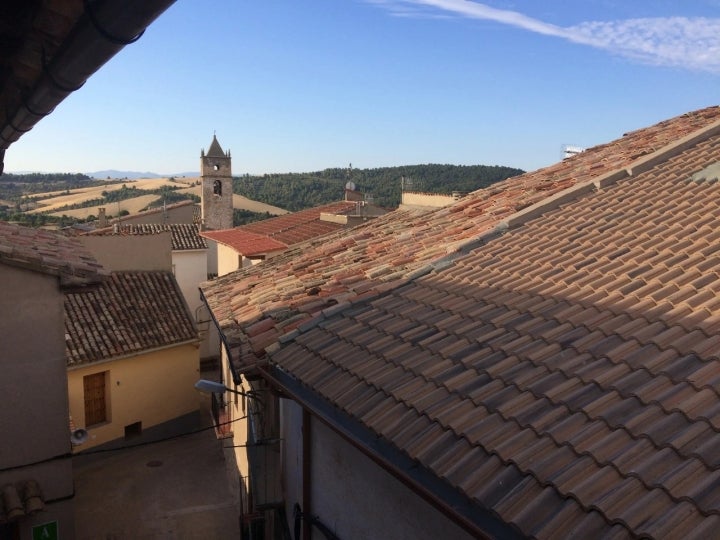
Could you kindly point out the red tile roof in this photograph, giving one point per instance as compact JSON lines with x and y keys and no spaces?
{"x":50,"y":253}
{"x":278,"y":233}
{"x":130,"y":313}
{"x":245,"y":242}
{"x":554,"y":363}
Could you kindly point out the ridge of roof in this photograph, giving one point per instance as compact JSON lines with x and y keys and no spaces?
{"x":378,"y":254}
{"x":640,"y":165}
{"x":49,"y":253}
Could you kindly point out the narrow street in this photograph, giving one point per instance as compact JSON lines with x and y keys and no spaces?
{"x":175,"y":489}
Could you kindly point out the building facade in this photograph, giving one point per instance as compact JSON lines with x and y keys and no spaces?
{"x":36,"y":482}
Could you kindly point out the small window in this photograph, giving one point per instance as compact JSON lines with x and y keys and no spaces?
{"x":217,"y":187}
{"x":133,"y":430}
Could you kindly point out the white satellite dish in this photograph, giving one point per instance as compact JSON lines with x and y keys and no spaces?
{"x":350,"y":186}
{"x":78,"y":436}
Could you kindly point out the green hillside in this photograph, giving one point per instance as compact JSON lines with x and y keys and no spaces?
{"x":295,"y":191}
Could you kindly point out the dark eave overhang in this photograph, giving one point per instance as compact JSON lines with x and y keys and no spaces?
{"x":103,"y":28}
{"x":475,"y":519}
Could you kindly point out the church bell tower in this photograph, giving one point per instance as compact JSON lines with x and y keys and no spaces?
{"x":216,"y":180}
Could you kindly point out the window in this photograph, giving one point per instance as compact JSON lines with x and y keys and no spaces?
{"x":95,"y":404}
{"x":133,"y":430}
{"x":217,"y":187}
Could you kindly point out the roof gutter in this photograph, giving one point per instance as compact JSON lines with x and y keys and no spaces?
{"x":476,"y":520}
{"x":103,"y":29}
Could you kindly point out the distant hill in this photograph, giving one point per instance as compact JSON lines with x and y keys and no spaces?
{"x":134,"y":175}
{"x":295,"y":191}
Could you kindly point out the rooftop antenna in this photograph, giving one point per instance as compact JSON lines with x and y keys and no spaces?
{"x":569,"y":150}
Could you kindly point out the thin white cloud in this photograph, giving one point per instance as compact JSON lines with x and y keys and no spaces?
{"x":691,"y":43}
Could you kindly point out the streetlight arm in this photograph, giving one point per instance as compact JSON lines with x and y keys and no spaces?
{"x":214,"y":387}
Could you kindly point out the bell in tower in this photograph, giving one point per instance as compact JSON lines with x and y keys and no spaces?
{"x":216,"y":180}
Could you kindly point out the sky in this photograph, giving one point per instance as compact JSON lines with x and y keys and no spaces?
{"x":291,"y":86}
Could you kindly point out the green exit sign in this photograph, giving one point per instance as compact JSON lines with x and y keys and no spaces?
{"x":46,"y":531}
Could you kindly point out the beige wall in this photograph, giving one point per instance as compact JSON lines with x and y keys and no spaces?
{"x":236,"y":411}
{"x":228,"y":260}
{"x":34,"y":417}
{"x":426,"y":199}
{"x":151,"y":388}
{"x":137,"y":252}
{"x":190,"y":269}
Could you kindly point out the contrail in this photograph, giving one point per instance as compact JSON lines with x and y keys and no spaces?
{"x":690,"y":43}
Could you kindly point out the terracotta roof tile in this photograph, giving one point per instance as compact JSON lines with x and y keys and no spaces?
{"x":561,"y":358}
{"x":49,"y":253}
{"x":280,"y":232}
{"x":129,"y":313}
{"x":184,"y":235}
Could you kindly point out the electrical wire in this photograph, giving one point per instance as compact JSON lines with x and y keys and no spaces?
{"x":155,"y":441}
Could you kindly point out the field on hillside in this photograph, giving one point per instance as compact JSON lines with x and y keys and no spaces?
{"x":54,"y":202}
{"x":133,"y":206}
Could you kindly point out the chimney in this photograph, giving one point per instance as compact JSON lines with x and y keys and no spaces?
{"x":102,"y":218}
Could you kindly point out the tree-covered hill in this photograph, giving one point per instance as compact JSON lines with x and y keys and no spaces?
{"x":295,"y":191}
{"x":14,"y":186}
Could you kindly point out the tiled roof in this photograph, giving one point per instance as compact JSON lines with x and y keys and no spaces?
{"x":280,"y":232}
{"x":245,"y":242}
{"x":560,"y":370}
{"x":382,"y":253}
{"x":215,"y":149}
{"x":575,"y":359}
{"x":129,"y":313}
{"x":49,"y":253}
{"x":184,"y":235}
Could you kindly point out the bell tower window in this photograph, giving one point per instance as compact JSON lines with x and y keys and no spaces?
{"x":217,"y":187}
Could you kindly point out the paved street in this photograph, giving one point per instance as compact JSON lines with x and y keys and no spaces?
{"x":176,"y":489}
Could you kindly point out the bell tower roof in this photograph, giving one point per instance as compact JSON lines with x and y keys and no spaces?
{"x":215,"y":150}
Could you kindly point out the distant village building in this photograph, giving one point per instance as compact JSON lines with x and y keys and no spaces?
{"x":261,"y":240}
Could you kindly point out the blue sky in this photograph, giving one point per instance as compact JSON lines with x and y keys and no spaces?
{"x":293,"y":86}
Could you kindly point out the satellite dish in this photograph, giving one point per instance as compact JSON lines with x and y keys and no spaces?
{"x":350,"y":186}
{"x":78,"y":436}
